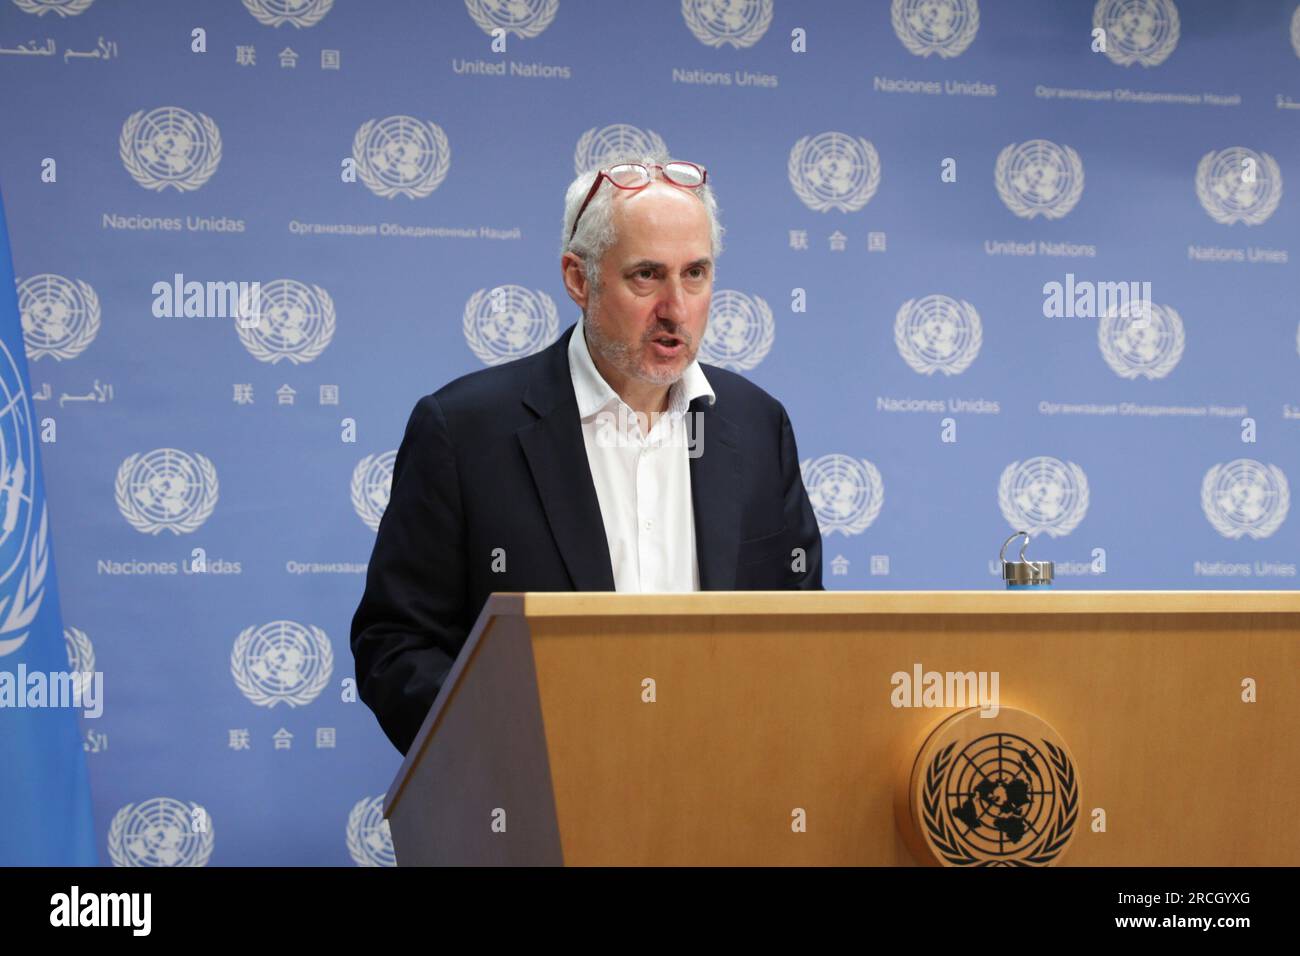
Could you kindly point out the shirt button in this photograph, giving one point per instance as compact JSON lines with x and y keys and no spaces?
{"x":649,"y":524}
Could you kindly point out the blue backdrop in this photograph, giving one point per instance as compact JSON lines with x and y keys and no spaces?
{"x":902,"y":183}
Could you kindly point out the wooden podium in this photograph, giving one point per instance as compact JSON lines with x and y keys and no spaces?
{"x":775,"y":728}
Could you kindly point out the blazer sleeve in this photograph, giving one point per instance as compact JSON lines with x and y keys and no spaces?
{"x":799,"y":516}
{"x":410,"y":626}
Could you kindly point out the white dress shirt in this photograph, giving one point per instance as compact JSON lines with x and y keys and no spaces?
{"x":643,"y":482}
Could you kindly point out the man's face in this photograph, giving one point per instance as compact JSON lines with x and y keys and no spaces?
{"x":656,"y":283}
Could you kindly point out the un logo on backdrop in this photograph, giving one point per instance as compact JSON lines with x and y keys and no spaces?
{"x":508,"y":322}
{"x":81,"y":658}
{"x":1043,"y":494}
{"x":945,"y":27}
{"x":59,"y":316}
{"x":370,"y":842}
{"x":372,"y":485}
{"x":1138,"y":345}
{"x":1238,"y":185}
{"x":834,"y":171}
{"x":1137,"y":31}
{"x":1039,"y":178}
{"x":166,"y":489}
{"x":523,"y":18}
{"x":294,"y":321}
{"x":846,"y":493}
{"x":738,"y":22}
{"x":1295,"y":31}
{"x":282,"y":662}
{"x":937,"y":333}
{"x":1245,"y":498}
{"x":739,"y":333}
{"x":401,"y":155}
{"x":300,"y":13}
{"x":169,"y":146}
{"x":24,"y":550}
{"x":160,"y":832}
{"x":600,"y":147}
{"x":64,"y":8}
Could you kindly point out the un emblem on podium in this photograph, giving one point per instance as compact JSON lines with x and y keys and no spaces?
{"x":1000,"y":791}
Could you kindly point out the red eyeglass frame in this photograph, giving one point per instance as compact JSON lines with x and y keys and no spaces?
{"x":604,"y":174}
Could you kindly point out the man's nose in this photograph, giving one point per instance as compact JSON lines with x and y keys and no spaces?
{"x":673,"y":301}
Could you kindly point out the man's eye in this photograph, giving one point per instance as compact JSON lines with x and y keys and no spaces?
{"x":700,"y":272}
{"x":648,"y":273}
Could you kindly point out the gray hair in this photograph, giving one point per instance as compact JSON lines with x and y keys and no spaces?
{"x":596,"y":233}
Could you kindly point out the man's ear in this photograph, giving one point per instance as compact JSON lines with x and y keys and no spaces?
{"x":575,"y":279}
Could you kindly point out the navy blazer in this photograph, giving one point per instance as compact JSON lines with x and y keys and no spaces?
{"x":494,"y":463}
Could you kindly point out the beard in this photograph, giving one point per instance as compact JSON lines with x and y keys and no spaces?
{"x":628,"y":359}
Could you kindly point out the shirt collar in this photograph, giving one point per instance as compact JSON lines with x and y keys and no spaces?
{"x":594,"y":393}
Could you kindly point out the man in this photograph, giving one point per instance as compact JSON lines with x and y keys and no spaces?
{"x":606,"y":461}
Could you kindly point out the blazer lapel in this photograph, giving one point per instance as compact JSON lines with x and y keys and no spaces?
{"x":715,"y":485}
{"x":557,"y":457}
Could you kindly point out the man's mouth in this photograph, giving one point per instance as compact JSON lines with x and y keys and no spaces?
{"x":667,"y":345}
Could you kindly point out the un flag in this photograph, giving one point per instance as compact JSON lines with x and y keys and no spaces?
{"x":45,"y":809}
